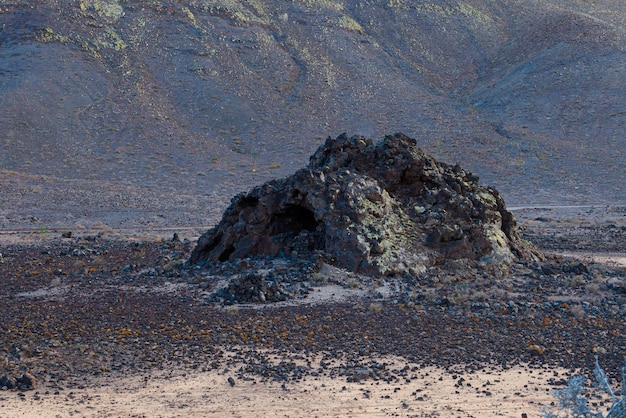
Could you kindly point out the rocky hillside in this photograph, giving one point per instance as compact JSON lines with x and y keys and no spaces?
{"x":181,"y":98}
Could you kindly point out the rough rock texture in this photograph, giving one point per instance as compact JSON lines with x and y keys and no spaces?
{"x":382,"y":209}
{"x":24,"y":382}
{"x":251,"y":288}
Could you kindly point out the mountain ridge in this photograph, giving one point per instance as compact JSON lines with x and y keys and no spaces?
{"x":217,"y":96}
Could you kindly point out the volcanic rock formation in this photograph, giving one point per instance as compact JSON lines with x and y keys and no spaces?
{"x":381,"y":209}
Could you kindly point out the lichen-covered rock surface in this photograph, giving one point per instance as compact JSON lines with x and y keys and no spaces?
{"x":377,"y":209}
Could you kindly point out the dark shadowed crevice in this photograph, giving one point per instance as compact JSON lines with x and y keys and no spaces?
{"x":293,"y":219}
{"x":202,"y":251}
{"x":225,"y":255}
{"x":248,"y":202}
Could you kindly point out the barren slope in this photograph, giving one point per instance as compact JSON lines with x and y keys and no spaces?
{"x":200,"y":99}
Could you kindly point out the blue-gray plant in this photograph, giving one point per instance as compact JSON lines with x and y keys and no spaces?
{"x":573,"y":404}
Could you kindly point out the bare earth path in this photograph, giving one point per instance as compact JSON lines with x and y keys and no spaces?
{"x":176,"y":393}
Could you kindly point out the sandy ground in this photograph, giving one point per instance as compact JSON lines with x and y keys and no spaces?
{"x":610,"y":259}
{"x":169,"y":393}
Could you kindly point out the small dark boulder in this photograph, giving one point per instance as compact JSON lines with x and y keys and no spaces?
{"x":382,"y":209}
{"x":7,"y":382}
{"x":251,"y":287}
{"x":26,"y":381}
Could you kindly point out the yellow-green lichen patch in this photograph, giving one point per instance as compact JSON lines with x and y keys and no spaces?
{"x":328,"y":4}
{"x":115,"y":40}
{"x":110,"y":9}
{"x":245,"y":12}
{"x":49,"y":35}
{"x":501,"y":251}
{"x":349,"y":24}
{"x":191,"y":16}
{"x":395,"y":3}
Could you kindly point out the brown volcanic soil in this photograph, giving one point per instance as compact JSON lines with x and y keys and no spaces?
{"x":98,"y":305}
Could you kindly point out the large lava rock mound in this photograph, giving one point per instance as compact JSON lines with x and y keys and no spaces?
{"x":381,"y":209}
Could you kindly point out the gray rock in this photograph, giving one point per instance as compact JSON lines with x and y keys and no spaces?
{"x":26,"y":382}
{"x":7,"y":382}
{"x":381,"y":209}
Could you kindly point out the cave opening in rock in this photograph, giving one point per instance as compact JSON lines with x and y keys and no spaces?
{"x":293,"y":219}
{"x":248,"y":202}
{"x":225,"y":255}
